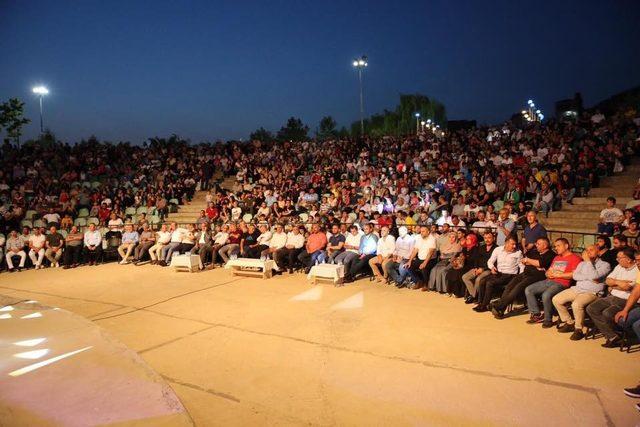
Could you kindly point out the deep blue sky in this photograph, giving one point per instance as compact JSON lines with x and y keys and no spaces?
{"x":128,"y":70}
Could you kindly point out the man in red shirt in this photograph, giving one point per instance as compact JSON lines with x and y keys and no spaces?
{"x":559,"y":277}
{"x":212,"y":212}
{"x":313,"y":249}
{"x":104,"y":213}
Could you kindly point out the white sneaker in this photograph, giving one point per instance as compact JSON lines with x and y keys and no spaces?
{"x":123,"y":262}
{"x":57,"y":265}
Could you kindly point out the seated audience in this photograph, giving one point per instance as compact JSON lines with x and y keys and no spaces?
{"x":479,"y":269}
{"x":163,"y":238}
{"x":287,"y":256}
{"x":396,"y":269}
{"x":73,"y":248}
{"x":15,"y":248}
{"x":385,"y":246}
{"x":504,"y":265}
{"x":92,"y":245}
{"x":36,"y":248}
{"x":588,"y":276}
{"x":620,"y":282}
{"x":558,"y":277}
{"x":130,"y":239}
{"x":147,"y":240}
{"x":422,"y":258}
{"x":535,"y":262}
{"x":54,"y":243}
{"x":610,"y":218}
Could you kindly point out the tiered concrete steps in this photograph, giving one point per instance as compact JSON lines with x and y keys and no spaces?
{"x":190,"y":213}
{"x":583,"y":215}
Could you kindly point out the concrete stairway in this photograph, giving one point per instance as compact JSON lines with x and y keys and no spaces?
{"x":190,"y":213}
{"x":583,"y":215}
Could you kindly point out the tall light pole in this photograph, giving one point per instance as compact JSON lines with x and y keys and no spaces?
{"x":417,"y":122}
{"x":41,"y":91}
{"x":360,"y":64}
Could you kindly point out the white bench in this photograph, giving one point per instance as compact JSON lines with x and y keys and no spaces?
{"x":333,"y":273}
{"x":185,"y":262}
{"x":251,"y":267}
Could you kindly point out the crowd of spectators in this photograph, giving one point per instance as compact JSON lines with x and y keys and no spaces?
{"x":427,"y":212}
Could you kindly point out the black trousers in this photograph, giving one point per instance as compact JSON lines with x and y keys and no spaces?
{"x":72,"y":255}
{"x":359,"y":264}
{"x":515,"y":288}
{"x":287,"y":257}
{"x":494,"y":282}
{"x":421,"y":275}
{"x":184,"y":248}
{"x":255,"y":252}
{"x":92,"y":255}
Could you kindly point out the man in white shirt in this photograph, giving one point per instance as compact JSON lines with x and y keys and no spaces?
{"x":36,"y":248}
{"x":277,"y":241}
{"x":52,"y":218}
{"x":177,"y":235}
{"x":15,"y":247}
{"x":480,"y":224}
{"x":395,"y":268}
{"x":262,"y":243}
{"x":286,"y":257}
{"x":504,"y":264}
{"x":385,"y":247}
{"x":219,"y":240}
{"x":422,"y":257}
{"x":163,"y":237}
{"x":610,"y":217}
{"x":621,"y":282}
{"x":236,"y":212}
{"x":351,"y":247}
{"x":92,"y":245}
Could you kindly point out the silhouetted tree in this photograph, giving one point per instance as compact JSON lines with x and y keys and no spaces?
{"x":11,"y":118}
{"x":295,"y":130}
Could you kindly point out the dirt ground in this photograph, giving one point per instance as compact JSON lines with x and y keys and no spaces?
{"x":244,"y":351}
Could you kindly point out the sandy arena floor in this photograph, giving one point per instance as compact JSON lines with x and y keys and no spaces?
{"x":243,"y":351}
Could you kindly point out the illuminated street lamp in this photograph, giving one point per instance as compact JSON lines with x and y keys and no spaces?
{"x":361,"y":63}
{"x":532,"y":114}
{"x":417,"y":122}
{"x":41,"y":91}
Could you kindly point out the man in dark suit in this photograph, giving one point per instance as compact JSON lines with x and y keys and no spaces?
{"x":203,"y":244}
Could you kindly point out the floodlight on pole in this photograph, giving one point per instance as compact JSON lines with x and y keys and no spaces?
{"x":41,"y":91}
{"x":360,"y":64}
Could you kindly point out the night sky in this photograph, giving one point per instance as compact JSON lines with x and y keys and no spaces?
{"x":128,"y":70}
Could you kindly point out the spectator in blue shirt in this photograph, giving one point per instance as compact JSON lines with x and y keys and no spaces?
{"x":532,"y":232}
{"x":367,"y":250}
{"x":130,"y":239}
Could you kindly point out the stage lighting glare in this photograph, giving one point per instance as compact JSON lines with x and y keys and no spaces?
{"x":34,"y":354}
{"x":46,"y":362}
{"x":30,"y":343}
{"x":32,"y":315}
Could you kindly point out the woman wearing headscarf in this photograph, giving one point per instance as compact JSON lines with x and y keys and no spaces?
{"x":460,"y":265}
{"x":448,"y":250}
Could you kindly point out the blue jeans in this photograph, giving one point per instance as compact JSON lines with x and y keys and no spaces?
{"x":633,"y":321}
{"x":397,"y":272}
{"x":168,"y":251}
{"x":546,"y":288}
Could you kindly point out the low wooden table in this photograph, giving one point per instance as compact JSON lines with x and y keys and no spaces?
{"x":251,"y":267}
{"x":333,"y":273}
{"x":185,"y":262}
